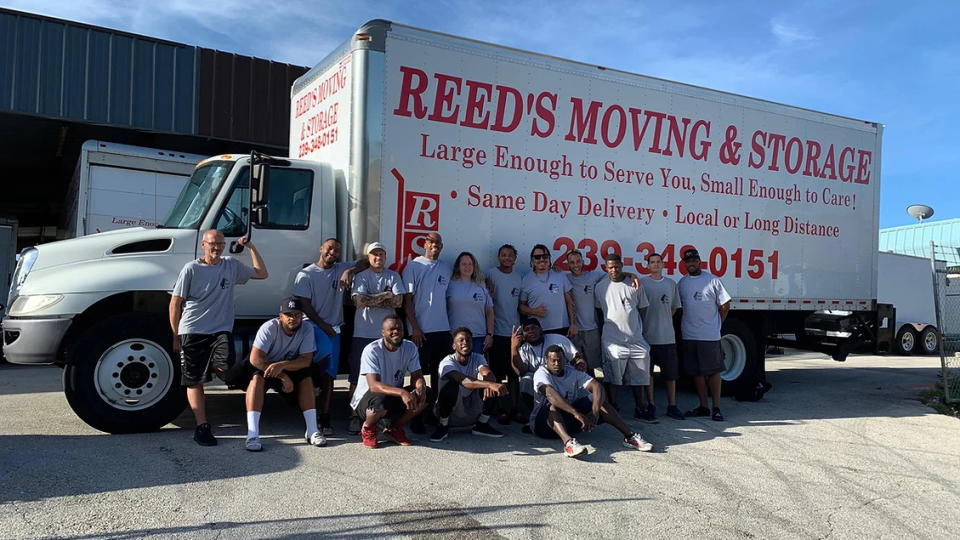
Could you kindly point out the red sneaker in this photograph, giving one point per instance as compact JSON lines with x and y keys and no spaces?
{"x":369,"y":436}
{"x":397,"y":435}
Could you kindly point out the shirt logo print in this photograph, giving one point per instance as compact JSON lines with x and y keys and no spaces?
{"x":553,"y":287}
{"x":515,"y":292}
{"x":698,"y":296}
{"x":664,"y":299}
{"x":478,"y":297}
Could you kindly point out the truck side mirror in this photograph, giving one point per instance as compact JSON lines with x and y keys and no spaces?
{"x":260,"y":182}
{"x":260,"y":215}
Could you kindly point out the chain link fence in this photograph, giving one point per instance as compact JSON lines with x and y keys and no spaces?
{"x":945,"y":264}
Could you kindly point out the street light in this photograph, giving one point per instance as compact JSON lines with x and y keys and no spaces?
{"x":920,"y":212}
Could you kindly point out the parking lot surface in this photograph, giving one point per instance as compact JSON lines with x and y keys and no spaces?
{"x":834,"y":450}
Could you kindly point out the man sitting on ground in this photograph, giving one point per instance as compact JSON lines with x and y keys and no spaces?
{"x":380,"y":392}
{"x":280,"y":359}
{"x":527,"y":347}
{"x":468,"y":390}
{"x":570,"y":401}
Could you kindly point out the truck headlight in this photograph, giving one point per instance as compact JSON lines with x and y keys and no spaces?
{"x":25,"y":305}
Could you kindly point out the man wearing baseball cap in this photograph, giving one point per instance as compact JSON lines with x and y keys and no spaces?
{"x":280,"y":359}
{"x":377,"y":292}
{"x":705,"y":303}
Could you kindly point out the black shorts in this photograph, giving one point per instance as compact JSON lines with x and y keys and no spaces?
{"x":436,"y":347}
{"x":272,"y":382}
{"x":201,"y":354}
{"x":499,"y":357}
{"x":702,"y":357}
{"x":665,"y":356}
{"x":371,"y":400}
{"x":542,"y":429}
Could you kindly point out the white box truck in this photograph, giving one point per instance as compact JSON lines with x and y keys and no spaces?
{"x":403,"y":131}
{"x":117,"y":186}
{"x":906,"y":282}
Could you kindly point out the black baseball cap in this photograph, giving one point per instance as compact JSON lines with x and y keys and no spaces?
{"x":528,"y":321}
{"x":691,"y":254}
{"x":291,"y":303}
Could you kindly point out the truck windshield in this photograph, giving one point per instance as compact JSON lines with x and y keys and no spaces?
{"x":197,"y":195}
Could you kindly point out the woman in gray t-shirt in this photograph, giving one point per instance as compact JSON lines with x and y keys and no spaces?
{"x":469,"y":303}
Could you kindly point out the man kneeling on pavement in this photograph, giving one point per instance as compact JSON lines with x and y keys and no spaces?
{"x":280,"y":359}
{"x":468,"y":390}
{"x":568,"y":401}
{"x":380,"y":392}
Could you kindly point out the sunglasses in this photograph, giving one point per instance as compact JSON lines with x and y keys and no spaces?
{"x":541,"y":256}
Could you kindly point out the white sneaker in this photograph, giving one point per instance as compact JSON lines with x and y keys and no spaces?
{"x":317,"y":439}
{"x":574,"y":449}
{"x":636,"y":441}
{"x":253,"y":444}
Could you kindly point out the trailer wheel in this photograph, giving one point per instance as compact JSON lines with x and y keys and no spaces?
{"x":741,"y":358}
{"x":121,"y":376}
{"x":906,"y":341}
{"x":930,"y":340}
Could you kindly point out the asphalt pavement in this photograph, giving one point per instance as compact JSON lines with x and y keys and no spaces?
{"x":834,"y":450}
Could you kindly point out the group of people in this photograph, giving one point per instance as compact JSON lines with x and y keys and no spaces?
{"x":491,"y":343}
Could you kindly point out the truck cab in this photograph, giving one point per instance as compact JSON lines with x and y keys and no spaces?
{"x":98,"y":304}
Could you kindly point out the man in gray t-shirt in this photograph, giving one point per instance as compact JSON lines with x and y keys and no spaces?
{"x":658,"y":330}
{"x":280,"y":359}
{"x":320,"y":287}
{"x":583,"y":283}
{"x":705,"y":305}
{"x":504,"y":281}
{"x":201,"y":316}
{"x":626,"y":358}
{"x":426,"y":279}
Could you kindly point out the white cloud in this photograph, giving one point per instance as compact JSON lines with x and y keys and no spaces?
{"x":789,"y":35}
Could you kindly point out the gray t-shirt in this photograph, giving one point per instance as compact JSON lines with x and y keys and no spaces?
{"x":467,"y":303}
{"x":584,"y":298}
{"x":532,"y":355}
{"x":621,"y":305}
{"x":368,"y":320}
{"x":547,"y":289}
{"x":428,"y":281}
{"x":208,"y":294}
{"x":392,"y":366}
{"x":506,"y":298}
{"x":658,"y":319}
{"x":572,"y":385}
{"x":701,"y":297}
{"x":322,"y":287}
{"x":272,"y":340}
{"x":471,"y":369}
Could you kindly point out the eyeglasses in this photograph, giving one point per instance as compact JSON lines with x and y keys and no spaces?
{"x":541,"y":256}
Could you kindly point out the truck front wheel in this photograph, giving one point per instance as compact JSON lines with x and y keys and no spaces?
{"x":121,"y":376}
{"x":741,"y":358}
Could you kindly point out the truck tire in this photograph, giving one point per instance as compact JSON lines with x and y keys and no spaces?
{"x":741,"y":356}
{"x":906,"y":341}
{"x":121,"y":376}
{"x":929,"y":342}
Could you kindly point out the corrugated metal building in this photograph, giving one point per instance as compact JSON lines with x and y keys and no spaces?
{"x":915,"y":239}
{"x":62,"y":83}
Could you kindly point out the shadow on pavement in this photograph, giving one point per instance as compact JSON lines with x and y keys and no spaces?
{"x":418,"y":521}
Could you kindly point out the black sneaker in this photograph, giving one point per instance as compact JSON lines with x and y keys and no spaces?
{"x":699,"y":411}
{"x":438,"y":434}
{"x":647,"y":414}
{"x":485,"y":430}
{"x":203,"y":436}
{"x":717,"y":416}
{"x":674,"y":412}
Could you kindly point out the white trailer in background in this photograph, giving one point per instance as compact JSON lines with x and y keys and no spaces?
{"x":117,"y":186}
{"x":905,"y":281}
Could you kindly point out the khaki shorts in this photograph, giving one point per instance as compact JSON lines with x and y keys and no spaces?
{"x":626,"y":364}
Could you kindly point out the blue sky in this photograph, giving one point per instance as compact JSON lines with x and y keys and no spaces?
{"x":896,"y":63}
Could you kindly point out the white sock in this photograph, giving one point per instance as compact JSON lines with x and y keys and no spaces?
{"x":444,"y":421}
{"x":310,"y":418}
{"x":253,"y":424}
{"x":483,"y":419}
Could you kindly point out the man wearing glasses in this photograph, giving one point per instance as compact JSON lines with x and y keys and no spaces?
{"x":545,"y":295}
{"x":201,"y":316}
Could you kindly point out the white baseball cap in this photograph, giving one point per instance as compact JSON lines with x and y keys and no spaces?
{"x":374,"y":245}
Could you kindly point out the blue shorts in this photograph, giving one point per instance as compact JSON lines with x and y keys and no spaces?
{"x":328,"y":351}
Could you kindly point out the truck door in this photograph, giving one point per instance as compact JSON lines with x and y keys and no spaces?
{"x":290,"y":237}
